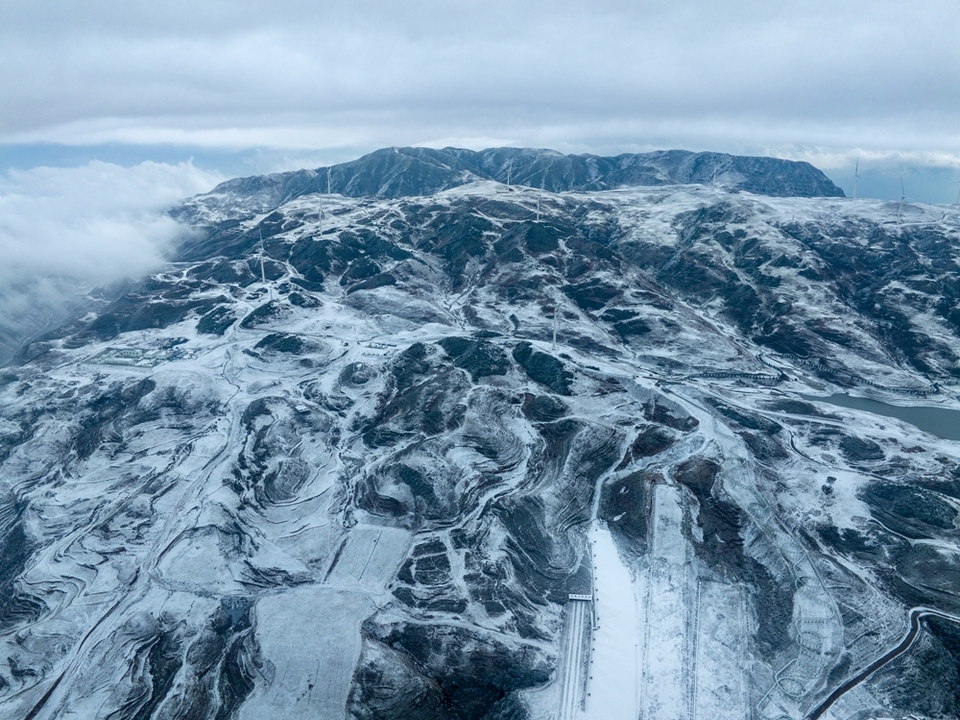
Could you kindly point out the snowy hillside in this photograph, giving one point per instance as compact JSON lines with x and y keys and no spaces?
{"x":494,"y":452}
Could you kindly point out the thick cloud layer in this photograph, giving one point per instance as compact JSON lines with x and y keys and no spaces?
{"x":63,"y":230}
{"x":575,"y":75}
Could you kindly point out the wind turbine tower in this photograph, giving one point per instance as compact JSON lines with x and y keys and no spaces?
{"x":556,"y":312}
{"x":957,"y":182}
{"x":856,"y":178}
{"x":903,"y":196}
{"x":263,"y":273}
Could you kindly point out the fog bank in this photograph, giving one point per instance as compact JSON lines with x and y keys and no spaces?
{"x":64,"y":231}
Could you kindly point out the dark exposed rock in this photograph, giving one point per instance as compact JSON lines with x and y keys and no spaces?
{"x":543,"y":408}
{"x":159,"y":660}
{"x":478,"y":357}
{"x":133,"y":312}
{"x":458,"y":239}
{"x":380,"y":280}
{"x":473,"y":673}
{"x":763,"y":447}
{"x":107,"y":409}
{"x":360,"y":269}
{"x":281,"y":343}
{"x":264,"y":313}
{"x":357,"y":374}
{"x":796,"y":407}
{"x":216,"y":321}
{"x":748,"y":420}
{"x":698,"y":474}
{"x":629,"y":328}
{"x":15,"y":548}
{"x":625,"y":505}
{"x":593,"y":294}
{"x":387,"y":684}
{"x":543,"y":368}
{"x":535,"y":237}
{"x":658,"y":412}
{"x":224,"y":271}
{"x":923,"y":682}
{"x":650,"y":441}
{"x":860,"y":450}
{"x":910,"y":511}
{"x":409,"y":364}
{"x":850,"y":541}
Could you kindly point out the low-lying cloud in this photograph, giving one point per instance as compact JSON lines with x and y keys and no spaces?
{"x":570,"y":74}
{"x":65,"y":230}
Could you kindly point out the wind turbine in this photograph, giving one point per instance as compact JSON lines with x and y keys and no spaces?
{"x":856,"y":178}
{"x":957,"y":182}
{"x":320,"y":234}
{"x":903,"y":197}
{"x":263,"y":273}
{"x":556,"y":311}
{"x":321,"y":216}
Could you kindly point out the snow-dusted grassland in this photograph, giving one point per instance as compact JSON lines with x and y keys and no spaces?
{"x":344,"y":471}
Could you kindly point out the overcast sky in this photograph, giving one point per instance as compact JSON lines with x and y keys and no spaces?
{"x":814,"y":79}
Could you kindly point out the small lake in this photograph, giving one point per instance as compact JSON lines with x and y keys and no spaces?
{"x":934,"y":420}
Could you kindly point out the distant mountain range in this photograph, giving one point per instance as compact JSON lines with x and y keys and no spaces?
{"x":403,"y":172}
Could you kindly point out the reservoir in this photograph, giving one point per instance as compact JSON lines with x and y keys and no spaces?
{"x":941,"y":422}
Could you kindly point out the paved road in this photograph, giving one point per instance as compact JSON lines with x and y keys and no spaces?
{"x":915,"y":615}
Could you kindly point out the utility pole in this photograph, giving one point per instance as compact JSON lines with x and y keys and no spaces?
{"x":263,"y":273}
{"x":556,"y":310}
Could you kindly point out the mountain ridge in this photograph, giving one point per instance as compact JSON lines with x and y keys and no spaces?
{"x":412,"y":171}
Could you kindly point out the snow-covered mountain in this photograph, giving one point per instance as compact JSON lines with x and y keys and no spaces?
{"x":404,"y":172}
{"x":433,"y":446}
